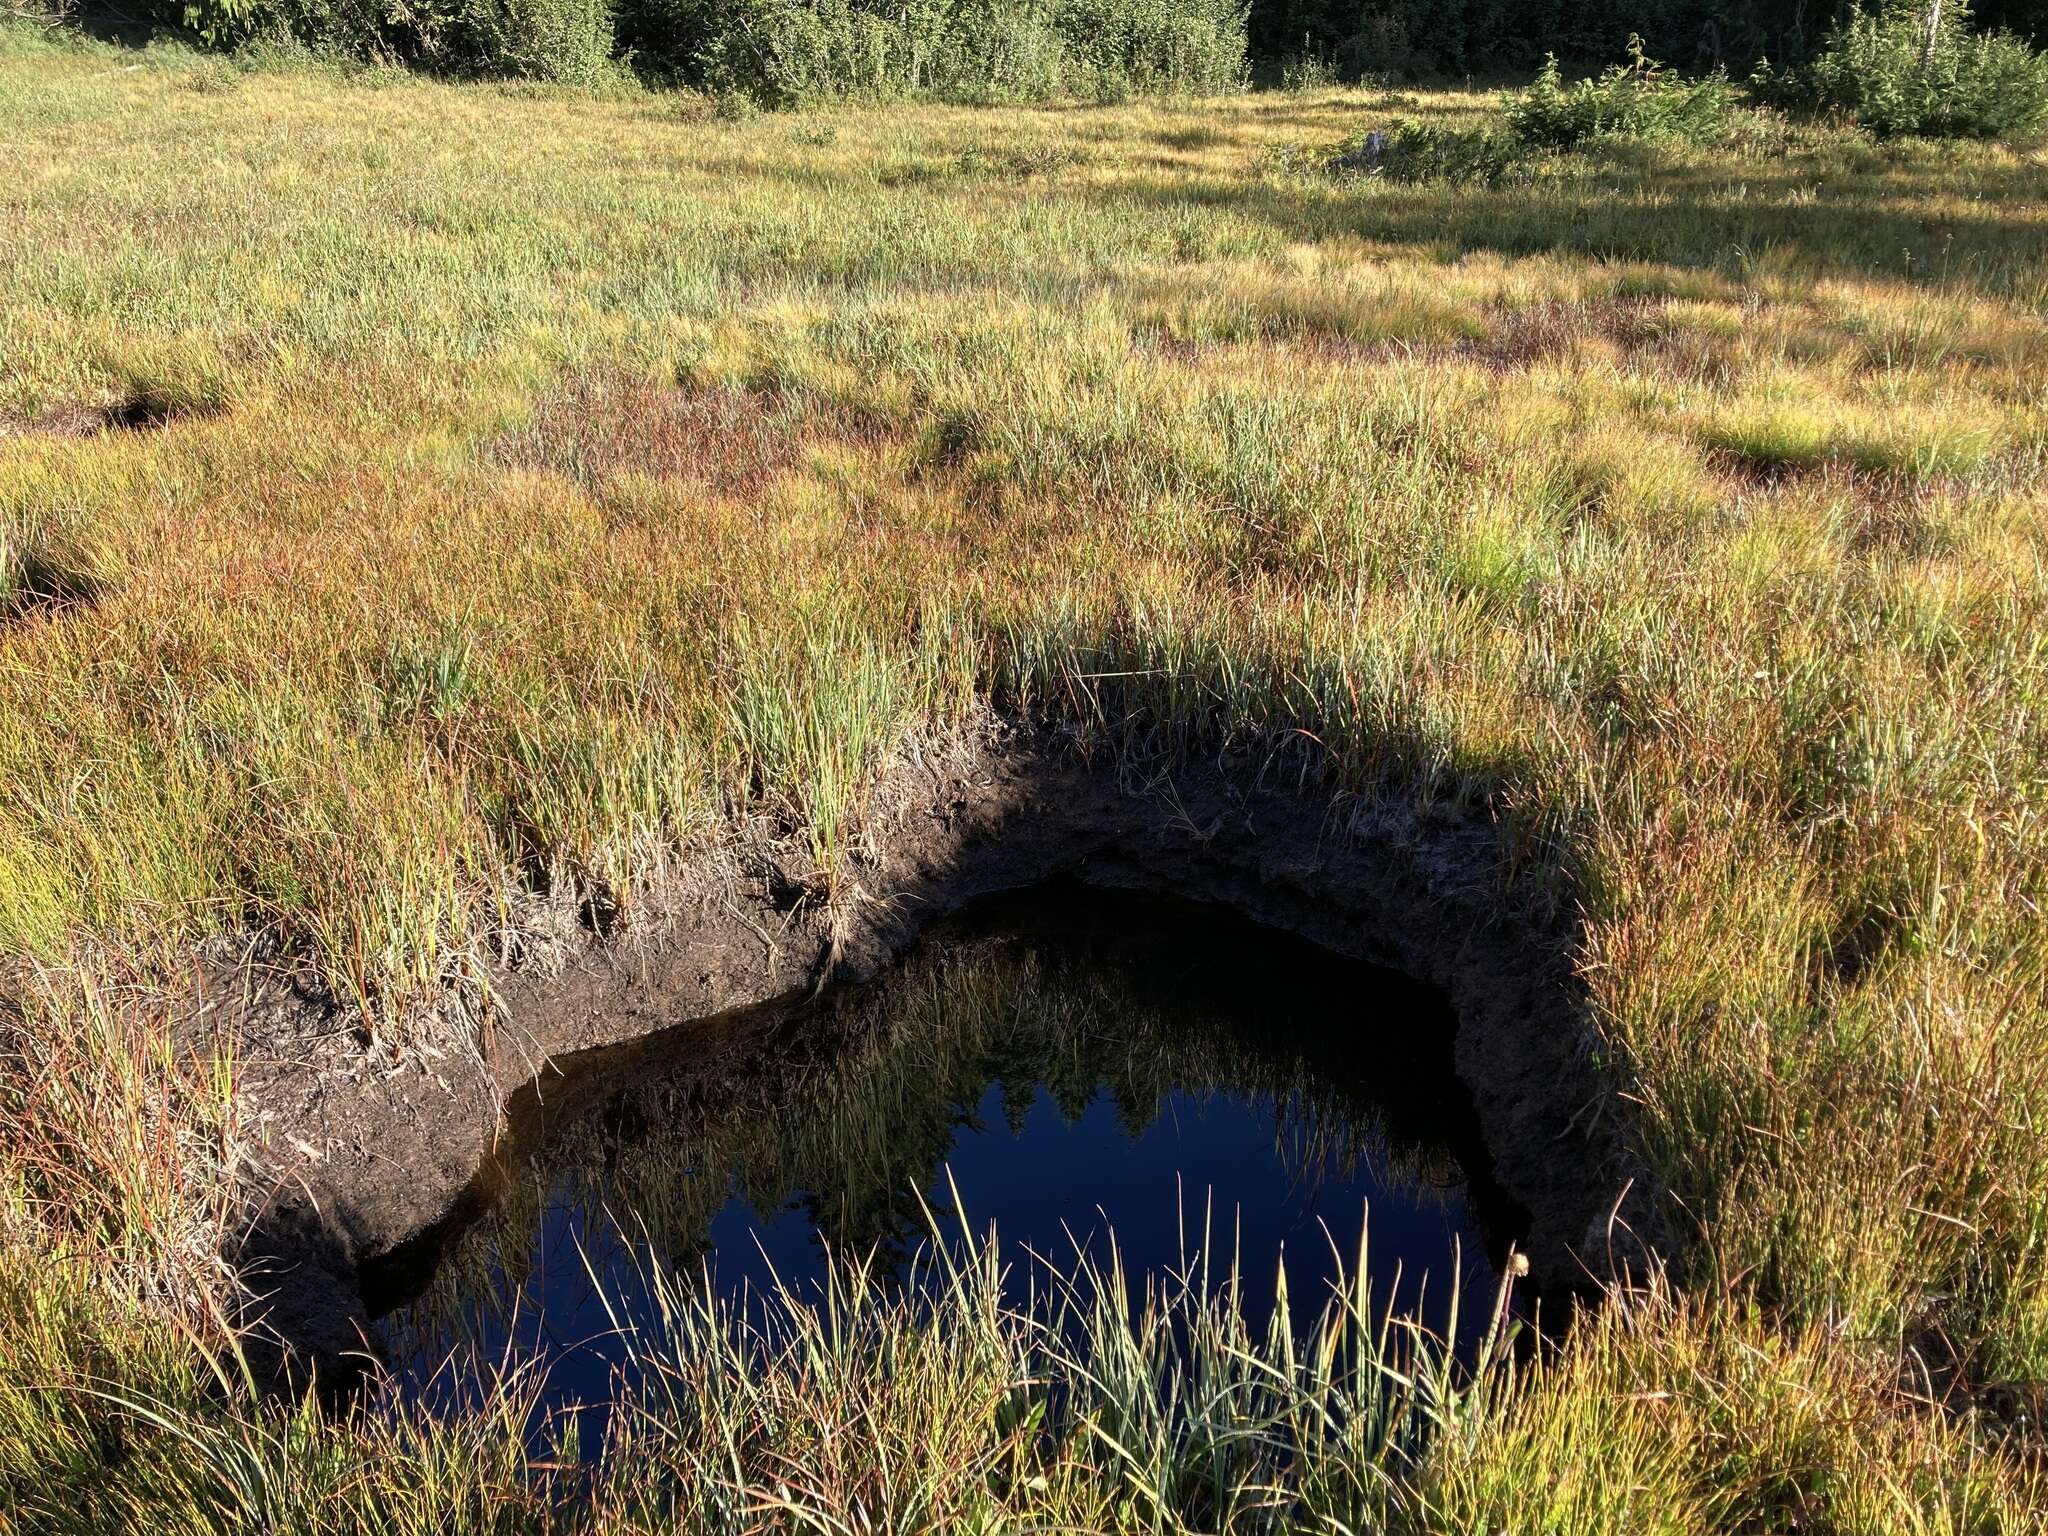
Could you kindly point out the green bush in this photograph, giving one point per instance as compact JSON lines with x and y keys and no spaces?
{"x":1307,"y":71}
{"x":1636,"y":100}
{"x":776,"y":52}
{"x":562,"y":40}
{"x":569,"y":41}
{"x":1885,"y":68}
{"x":786,"y":52}
{"x":1156,"y":45}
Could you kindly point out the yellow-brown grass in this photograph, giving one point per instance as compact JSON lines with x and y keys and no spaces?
{"x":539,"y":479}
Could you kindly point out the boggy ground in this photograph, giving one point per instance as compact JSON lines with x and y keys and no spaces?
{"x":356,"y":1157}
{"x":421,"y":503}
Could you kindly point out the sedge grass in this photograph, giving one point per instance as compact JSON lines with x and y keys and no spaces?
{"x":1683,"y":513}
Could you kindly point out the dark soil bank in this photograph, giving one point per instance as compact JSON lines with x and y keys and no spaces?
{"x":361,"y":1152}
{"x":1115,"y":1078}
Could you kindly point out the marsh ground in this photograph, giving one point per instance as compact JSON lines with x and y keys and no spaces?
{"x":411,"y":494}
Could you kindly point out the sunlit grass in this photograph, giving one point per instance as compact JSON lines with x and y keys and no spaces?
{"x":511,"y":481}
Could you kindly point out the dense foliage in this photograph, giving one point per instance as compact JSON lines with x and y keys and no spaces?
{"x":570,"y":41}
{"x":778,"y":52}
{"x":1495,"y":37}
{"x":1896,"y":76}
{"x":782,"y":51}
{"x":786,"y":51}
{"x":1639,"y":100}
{"x":1509,"y":37}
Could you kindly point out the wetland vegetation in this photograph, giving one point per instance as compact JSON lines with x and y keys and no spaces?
{"x":433,"y":512}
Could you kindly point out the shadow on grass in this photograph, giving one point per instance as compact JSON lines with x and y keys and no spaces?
{"x":1721,"y":219}
{"x":38,"y":582}
{"x":1982,"y":231}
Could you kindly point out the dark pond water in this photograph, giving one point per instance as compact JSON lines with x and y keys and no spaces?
{"x":1071,"y":1062}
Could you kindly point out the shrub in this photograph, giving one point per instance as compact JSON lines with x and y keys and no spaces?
{"x":785,"y":52}
{"x":777,"y":52}
{"x":1307,"y":71}
{"x":1636,"y":100}
{"x":569,"y":41}
{"x":562,"y":40}
{"x":1897,"y":79}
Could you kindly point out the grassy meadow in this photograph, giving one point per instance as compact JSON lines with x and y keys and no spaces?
{"x":409,"y":490}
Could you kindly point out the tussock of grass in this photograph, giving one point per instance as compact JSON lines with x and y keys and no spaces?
{"x":1906,"y":444}
{"x":1170,"y":441}
{"x":815,"y":712}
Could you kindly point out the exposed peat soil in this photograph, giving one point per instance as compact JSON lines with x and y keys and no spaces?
{"x":364,"y":1151}
{"x":1130,"y":1081}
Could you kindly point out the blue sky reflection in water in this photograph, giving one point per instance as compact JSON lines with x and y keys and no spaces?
{"x":1078,"y":1062}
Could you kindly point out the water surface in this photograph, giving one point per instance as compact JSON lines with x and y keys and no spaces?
{"x":1073,"y":1063}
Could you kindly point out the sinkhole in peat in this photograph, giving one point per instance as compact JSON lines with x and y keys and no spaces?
{"x":1067,"y":1069}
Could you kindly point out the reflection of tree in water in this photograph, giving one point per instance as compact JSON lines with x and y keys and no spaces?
{"x":850,"y":1111}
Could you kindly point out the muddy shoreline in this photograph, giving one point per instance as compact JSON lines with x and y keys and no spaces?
{"x":357,"y":1154}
